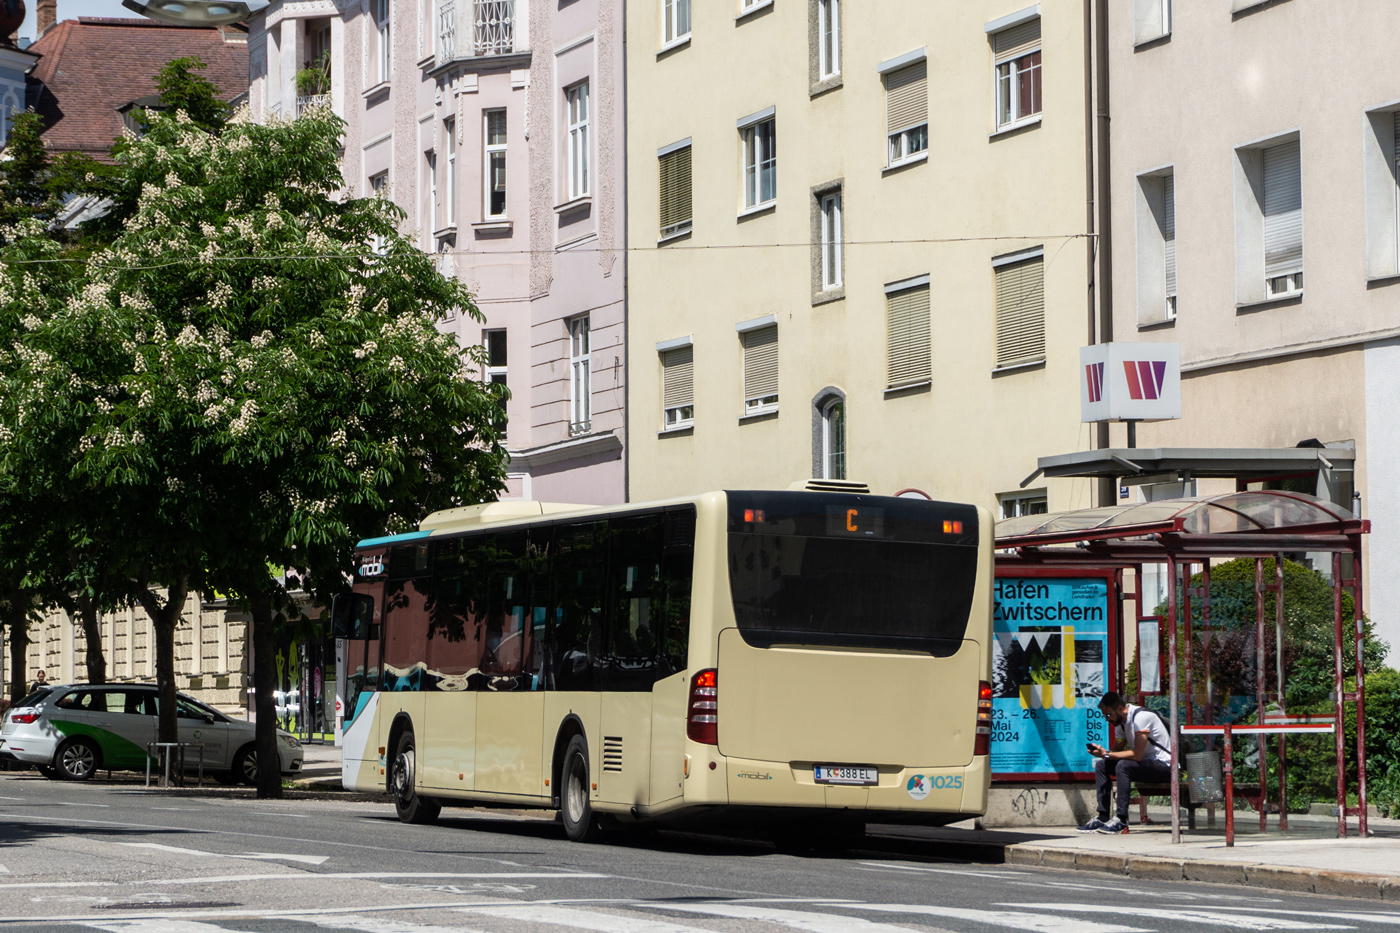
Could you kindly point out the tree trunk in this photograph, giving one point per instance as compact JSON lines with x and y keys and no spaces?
{"x":18,"y":627}
{"x":264,"y":689}
{"x":164,"y":618}
{"x":92,"y":634}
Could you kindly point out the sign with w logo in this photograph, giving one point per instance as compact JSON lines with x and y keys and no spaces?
{"x":1130,"y":382}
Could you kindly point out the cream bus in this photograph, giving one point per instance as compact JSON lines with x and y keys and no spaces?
{"x":808,"y":660}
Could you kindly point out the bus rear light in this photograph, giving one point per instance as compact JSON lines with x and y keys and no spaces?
{"x":702,"y":716}
{"x":983,"y":743}
{"x":23,"y":717}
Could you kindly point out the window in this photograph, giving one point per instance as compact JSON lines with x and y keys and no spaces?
{"x":909,"y":358}
{"x":1156,"y":247}
{"x":1152,"y":19}
{"x":760,"y":368}
{"x":495,"y":164}
{"x":1283,"y":220}
{"x":578,"y":140}
{"x":906,"y":112}
{"x":449,"y":132}
{"x":678,"y":386}
{"x":379,"y":188}
{"x":1030,"y":502}
{"x":828,"y":38}
{"x":430,"y":183}
{"x":675,"y":21}
{"x":494,"y":27}
{"x":674,"y":165}
{"x":447,"y":29}
{"x":495,"y":342}
{"x":1020,"y":298}
{"x":833,"y":439}
{"x":381,"y":22}
{"x":1017,"y":51}
{"x":831,"y":239}
{"x":580,"y":381}
{"x":760,"y":161}
{"x":1382,"y":176}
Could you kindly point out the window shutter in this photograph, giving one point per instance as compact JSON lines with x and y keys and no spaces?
{"x":1018,"y":40}
{"x":760,"y":363}
{"x":675,"y":191}
{"x":678,"y":377}
{"x":1169,"y":230}
{"x":1283,"y":210}
{"x":906,"y":92}
{"x":1021,"y":312}
{"x":910,"y":360}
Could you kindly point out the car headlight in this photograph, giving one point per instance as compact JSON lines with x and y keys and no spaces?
{"x":290,"y":741}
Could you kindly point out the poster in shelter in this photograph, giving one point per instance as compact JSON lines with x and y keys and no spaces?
{"x":1049,"y":668}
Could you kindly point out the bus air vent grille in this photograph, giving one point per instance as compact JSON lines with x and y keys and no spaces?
{"x":832,"y":485}
{"x":612,"y":753}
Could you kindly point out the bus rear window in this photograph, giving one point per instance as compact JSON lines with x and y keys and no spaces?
{"x":890,"y":578}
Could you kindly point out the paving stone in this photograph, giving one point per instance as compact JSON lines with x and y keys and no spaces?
{"x":1101,"y":861}
{"x":1347,"y":884}
{"x":1215,"y":872}
{"x":1281,"y":878}
{"x":1057,"y":858}
{"x":1156,"y":869}
{"x":1030,"y":856}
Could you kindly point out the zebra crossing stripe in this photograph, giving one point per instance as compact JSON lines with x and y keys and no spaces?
{"x":377,"y":925}
{"x":156,"y":926}
{"x":1010,"y":919}
{"x":805,"y":920}
{"x":581,"y":919}
{"x":1239,"y":921}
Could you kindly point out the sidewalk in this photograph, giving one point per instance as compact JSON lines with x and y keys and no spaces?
{"x":1307,"y":859}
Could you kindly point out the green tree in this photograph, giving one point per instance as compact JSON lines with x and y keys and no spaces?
{"x":182,"y":89}
{"x":250,"y":371}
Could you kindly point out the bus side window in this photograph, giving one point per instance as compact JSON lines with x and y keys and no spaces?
{"x":673,"y":603}
{"x":634,"y":577}
{"x":502,"y":659}
{"x":580,"y":593}
{"x":406,"y":619}
{"x":456,"y":615}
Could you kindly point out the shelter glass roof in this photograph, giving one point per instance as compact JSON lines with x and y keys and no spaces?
{"x":1229,"y":513}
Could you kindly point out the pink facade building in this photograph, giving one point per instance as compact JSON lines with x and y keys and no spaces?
{"x":497,"y":126}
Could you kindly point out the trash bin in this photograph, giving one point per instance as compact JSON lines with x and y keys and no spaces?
{"x":1205,"y":777}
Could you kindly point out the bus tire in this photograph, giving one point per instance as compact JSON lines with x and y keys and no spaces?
{"x":580,"y":822}
{"x":410,"y":807}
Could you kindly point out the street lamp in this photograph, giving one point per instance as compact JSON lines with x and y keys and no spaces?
{"x":193,"y":12}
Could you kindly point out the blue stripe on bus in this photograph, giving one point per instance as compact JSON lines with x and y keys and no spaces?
{"x":394,"y":539}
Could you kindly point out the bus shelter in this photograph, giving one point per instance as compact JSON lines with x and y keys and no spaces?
{"x":1186,"y":536}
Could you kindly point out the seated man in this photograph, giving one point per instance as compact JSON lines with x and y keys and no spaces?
{"x":1142,"y":754}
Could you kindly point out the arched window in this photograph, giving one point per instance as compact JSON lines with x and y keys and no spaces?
{"x":829,"y":434}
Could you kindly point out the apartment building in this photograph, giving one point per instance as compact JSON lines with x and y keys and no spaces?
{"x":858,"y":245}
{"x":1254,"y":206}
{"x":496,"y":125}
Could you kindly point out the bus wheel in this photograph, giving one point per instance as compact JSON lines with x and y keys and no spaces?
{"x":580,"y":823}
{"x":410,"y":807}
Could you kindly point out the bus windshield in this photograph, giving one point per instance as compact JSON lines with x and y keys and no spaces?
{"x":853,"y":572}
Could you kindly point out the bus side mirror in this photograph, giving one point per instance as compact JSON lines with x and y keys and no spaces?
{"x":340,"y":615}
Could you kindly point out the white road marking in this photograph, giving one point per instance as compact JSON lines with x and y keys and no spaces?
{"x":295,"y":816}
{"x":299,"y":876}
{"x":100,"y":806}
{"x":1191,"y":916}
{"x":1387,"y":919}
{"x":180,"y":809}
{"x":271,"y":856}
{"x":4,"y":870}
{"x":195,"y":853}
{"x":61,"y":884}
{"x":1010,"y":919}
{"x":371,"y":925}
{"x":12,"y":798}
{"x":581,"y":919}
{"x":156,"y":925}
{"x":806,"y":920}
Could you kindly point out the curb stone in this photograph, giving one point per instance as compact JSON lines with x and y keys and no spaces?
{"x":1272,"y":877}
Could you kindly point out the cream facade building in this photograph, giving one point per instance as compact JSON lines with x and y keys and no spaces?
{"x":1254,"y":193}
{"x":858,"y":245}
{"x":496,"y":125}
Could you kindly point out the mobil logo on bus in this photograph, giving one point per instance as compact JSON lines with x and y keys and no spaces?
{"x":1130,"y":382}
{"x":372,"y":565}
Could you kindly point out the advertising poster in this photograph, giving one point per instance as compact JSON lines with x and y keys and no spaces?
{"x":1050,"y":666}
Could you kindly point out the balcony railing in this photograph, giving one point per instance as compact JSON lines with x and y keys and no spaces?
{"x":494,"y":31}
{"x":312,"y":100}
{"x":488,"y":26}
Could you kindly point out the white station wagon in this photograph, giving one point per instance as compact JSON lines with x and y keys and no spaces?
{"x":73,"y":730}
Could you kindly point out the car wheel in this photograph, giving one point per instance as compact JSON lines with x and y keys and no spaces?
{"x":50,"y":772}
{"x":245,"y":765}
{"x":77,"y":759}
{"x":410,"y":807}
{"x":580,"y":822}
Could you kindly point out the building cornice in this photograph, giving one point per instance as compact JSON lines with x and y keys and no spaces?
{"x":532,"y":458}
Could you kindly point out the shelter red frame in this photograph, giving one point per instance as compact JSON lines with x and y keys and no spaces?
{"x":1183,"y":533}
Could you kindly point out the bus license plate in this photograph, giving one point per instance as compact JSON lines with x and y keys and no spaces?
{"x":846,"y":774}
